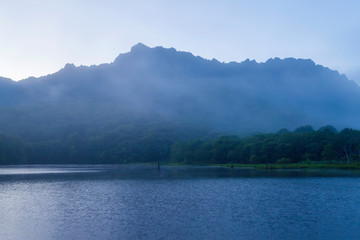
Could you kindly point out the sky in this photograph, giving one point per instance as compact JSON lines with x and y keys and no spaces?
{"x":39,"y":37}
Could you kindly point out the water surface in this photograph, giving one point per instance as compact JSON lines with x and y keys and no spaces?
{"x":140,"y":202}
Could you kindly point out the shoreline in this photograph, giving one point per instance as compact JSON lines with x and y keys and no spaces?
{"x":355,"y":165}
{"x":277,"y":166}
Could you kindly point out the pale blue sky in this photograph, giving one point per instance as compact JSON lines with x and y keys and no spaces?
{"x":39,"y":37}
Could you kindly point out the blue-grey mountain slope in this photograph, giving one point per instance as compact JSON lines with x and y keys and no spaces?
{"x":167,"y":85}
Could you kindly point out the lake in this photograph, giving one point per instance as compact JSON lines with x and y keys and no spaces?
{"x":140,"y":202}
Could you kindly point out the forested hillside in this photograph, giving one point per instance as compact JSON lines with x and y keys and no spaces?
{"x":153,"y":104}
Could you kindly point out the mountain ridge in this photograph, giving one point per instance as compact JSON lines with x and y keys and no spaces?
{"x":140,"y":48}
{"x":178,"y":86}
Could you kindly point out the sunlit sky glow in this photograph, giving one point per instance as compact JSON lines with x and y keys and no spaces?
{"x":39,"y":37}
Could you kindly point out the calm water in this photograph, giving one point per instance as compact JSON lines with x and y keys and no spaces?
{"x":138,"y":202}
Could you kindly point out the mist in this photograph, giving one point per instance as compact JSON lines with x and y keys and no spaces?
{"x":236,"y":97}
{"x":159,"y":93}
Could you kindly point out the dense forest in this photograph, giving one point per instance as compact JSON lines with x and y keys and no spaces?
{"x":130,"y":144}
{"x":302,"y":145}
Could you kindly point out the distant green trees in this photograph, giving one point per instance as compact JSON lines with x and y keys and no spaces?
{"x":12,"y":150}
{"x":178,"y":144}
{"x":302,"y":145}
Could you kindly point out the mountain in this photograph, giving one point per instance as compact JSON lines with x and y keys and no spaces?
{"x":165,"y":85}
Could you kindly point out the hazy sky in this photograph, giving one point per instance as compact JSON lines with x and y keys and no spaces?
{"x":39,"y":37}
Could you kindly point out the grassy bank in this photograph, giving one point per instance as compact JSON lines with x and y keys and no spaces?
{"x":298,"y":166}
{"x":316,"y":165}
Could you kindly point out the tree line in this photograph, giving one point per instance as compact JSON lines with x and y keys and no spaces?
{"x":304,"y":144}
{"x":170,"y":144}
